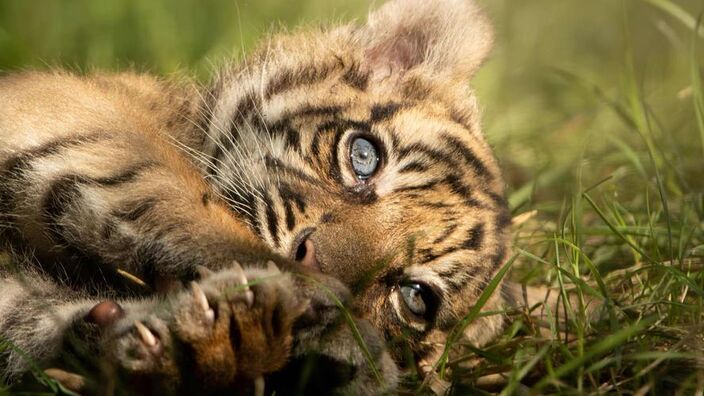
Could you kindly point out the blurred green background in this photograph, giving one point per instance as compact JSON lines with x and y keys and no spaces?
{"x":542,"y":112}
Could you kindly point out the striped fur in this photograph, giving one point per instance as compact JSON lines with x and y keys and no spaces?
{"x":127,"y":172}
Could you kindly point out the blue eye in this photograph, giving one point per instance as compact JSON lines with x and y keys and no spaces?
{"x":420,"y":299}
{"x":364,"y":157}
{"x":414,"y":295}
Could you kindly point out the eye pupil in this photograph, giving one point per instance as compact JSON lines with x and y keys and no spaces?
{"x":364,"y":158}
{"x":413,"y":295}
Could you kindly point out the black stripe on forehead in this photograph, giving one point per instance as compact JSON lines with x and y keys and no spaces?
{"x":287,"y":79}
{"x":309,"y":110}
{"x":284,"y":127}
{"x":356,"y":78}
{"x":430,"y":185}
{"x":382,"y":112}
{"x":127,"y":175}
{"x":247,"y":106}
{"x":462,"y":118}
{"x":291,"y":135}
{"x":478,"y":276}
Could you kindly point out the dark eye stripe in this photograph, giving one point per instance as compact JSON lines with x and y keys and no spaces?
{"x":449,"y":230}
{"x":473,"y":242}
{"x":434,"y":154}
{"x":471,"y":159}
{"x":415,"y":166}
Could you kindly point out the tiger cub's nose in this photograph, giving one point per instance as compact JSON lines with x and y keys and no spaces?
{"x":304,"y":251}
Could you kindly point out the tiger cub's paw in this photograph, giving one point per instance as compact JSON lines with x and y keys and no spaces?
{"x":220,"y":333}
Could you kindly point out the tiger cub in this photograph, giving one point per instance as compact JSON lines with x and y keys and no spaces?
{"x":202,"y":238}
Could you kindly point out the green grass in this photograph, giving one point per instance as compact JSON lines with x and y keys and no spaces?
{"x":606,"y":147}
{"x":596,"y":111}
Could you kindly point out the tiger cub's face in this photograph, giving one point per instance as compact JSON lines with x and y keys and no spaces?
{"x":358,"y":151}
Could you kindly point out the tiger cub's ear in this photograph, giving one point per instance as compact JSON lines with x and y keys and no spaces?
{"x":449,"y":38}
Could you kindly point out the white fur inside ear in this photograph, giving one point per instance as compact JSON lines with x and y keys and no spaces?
{"x":445,"y":36}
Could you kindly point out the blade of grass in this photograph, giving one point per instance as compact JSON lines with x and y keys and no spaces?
{"x":457,"y":331}
{"x":628,"y":151}
{"x":517,"y":376}
{"x":640,"y":115}
{"x":36,"y":371}
{"x":601,"y":347}
{"x":615,"y":230}
{"x":678,"y":13}
{"x":697,"y":87}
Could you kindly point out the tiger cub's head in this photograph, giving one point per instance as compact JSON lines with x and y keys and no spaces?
{"x":357,"y":151}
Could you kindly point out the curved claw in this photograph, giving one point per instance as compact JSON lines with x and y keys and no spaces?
{"x":248,"y":294}
{"x":202,"y":300}
{"x":145,"y":334}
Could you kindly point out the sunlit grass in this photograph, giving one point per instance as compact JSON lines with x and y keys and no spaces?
{"x":620,"y":221}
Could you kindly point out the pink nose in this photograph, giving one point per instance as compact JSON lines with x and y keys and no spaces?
{"x":305,"y":254}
